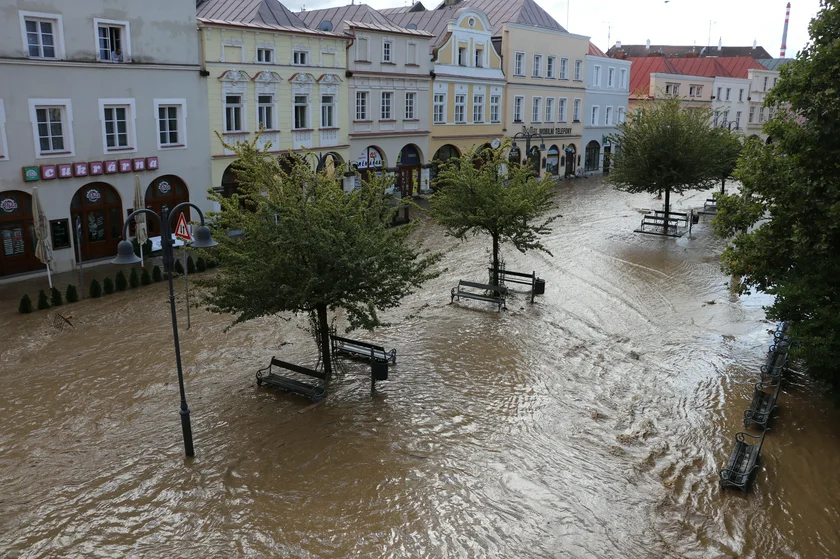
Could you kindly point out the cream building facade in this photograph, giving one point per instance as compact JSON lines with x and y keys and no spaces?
{"x":760,"y":83}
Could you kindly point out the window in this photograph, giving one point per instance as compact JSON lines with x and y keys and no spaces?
{"x":549,"y":109}
{"x":740,"y":95}
{"x":439,"y":112}
{"x":519,"y":64}
{"x":672,"y":89}
{"x":117,"y":124}
{"x":728,"y":93}
{"x":361,"y":105}
{"x":495,"y":104}
{"x":695,"y":90}
{"x":478,"y":108}
{"x":51,"y":126}
{"x":761,"y":114}
{"x":622,"y":116}
{"x":622,"y":78}
{"x":564,"y":69}
{"x":608,"y":116}
{"x":301,"y":112}
{"x":362,"y":49}
{"x":517,"y":108}
{"x":387,"y":51}
{"x":300,"y":58}
{"x":594,"y":117}
{"x":611,"y":77}
{"x":578,"y":70}
{"x":550,"y":63}
{"x":774,"y":81}
{"x":576,"y":111}
{"x":112,"y":39}
{"x":265,"y":111}
{"x":387,"y":100}
{"x":462,"y":56}
{"x":751,"y":118}
{"x":41,"y":35}
{"x":536,"y":70}
{"x":233,"y":113}
{"x":765,"y":83}
{"x":737,"y":120}
{"x":410,"y":97}
{"x":265,"y":56}
{"x":536,"y":105}
{"x":327,"y":111}
{"x":4,"y":154}
{"x":720,"y":93}
{"x":561,"y":109}
{"x":171,"y":123}
{"x":460,"y":107}
{"x":479,"y":58}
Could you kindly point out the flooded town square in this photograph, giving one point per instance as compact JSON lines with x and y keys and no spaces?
{"x":591,"y":424}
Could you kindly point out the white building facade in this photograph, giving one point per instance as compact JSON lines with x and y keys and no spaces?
{"x":730,"y":102}
{"x":761,"y":82}
{"x":91,"y":95}
{"x":606,"y":101}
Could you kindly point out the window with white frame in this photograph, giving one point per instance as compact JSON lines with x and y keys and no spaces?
{"x":578,"y":70}
{"x":411,"y":54}
{"x":765,"y":82}
{"x":300,"y":57}
{"x":462,"y":56}
{"x":622,"y":78}
{"x":737,"y":120}
{"x":439,"y":111}
{"x":672,"y":89}
{"x":361,"y":105}
{"x":387,"y":101}
{"x":169,"y":126}
{"x":775,"y":81}
{"x":695,"y":90}
{"x":719,"y":93}
{"x":564,"y":69}
{"x":362,"y":49}
{"x":387,"y":51}
{"x":112,"y":40}
{"x":328,"y":111}
{"x":536,"y":109}
{"x":517,"y":108}
{"x":608,"y":117}
{"x":519,"y":64}
{"x":479,"y":57}
{"x":410,"y":99}
{"x":761,"y":114}
{"x":610,"y":77}
{"x":51,"y":124}
{"x":596,"y":76}
{"x":265,"y":111}
{"x":741,"y":95}
{"x":265,"y":55}
{"x":728,"y":93}
{"x":495,"y":108}
{"x":478,"y":108}
{"x":550,"y":63}
{"x":118,"y":133}
{"x":301,"y":111}
{"x":752,"y":115}
{"x":576,"y":111}
{"x":561,"y":109}
{"x":460,"y":107}
{"x":622,"y":116}
{"x":536,"y":69}
{"x":594,"y":119}
{"x":233,"y":113}
{"x":42,"y":35}
{"x":549,"y":109}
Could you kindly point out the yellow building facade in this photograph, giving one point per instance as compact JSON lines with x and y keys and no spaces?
{"x":287,"y":82}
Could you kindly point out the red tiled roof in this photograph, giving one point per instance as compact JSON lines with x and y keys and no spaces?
{"x":640,"y":71}
{"x":739,"y":66}
{"x":595,"y":51}
{"x":706,"y":67}
{"x":638,"y":51}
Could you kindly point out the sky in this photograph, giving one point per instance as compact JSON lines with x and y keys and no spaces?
{"x":676,"y":22}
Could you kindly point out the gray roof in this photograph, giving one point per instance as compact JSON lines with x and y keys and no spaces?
{"x":387,"y":28}
{"x":775,"y":63}
{"x":416,"y":7}
{"x":361,"y":13}
{"x":432,"y":21}
{"x":679,"y":51}
{"x":265,"y":12}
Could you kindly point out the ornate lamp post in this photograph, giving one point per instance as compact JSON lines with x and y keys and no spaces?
{"x":125,"y":255}
{"x":529,"y":133}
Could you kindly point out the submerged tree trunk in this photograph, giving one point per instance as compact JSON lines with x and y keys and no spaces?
{"x":723,"y":186}
{"x":324,"y":332}
{"x":494,"y":279}
{"x":666,"y":225}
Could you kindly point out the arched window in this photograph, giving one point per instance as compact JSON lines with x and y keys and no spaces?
{"x":593,"y":156}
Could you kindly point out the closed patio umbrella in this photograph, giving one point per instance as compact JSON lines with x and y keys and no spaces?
{"x":43,"y":250}
{"x":140,"y":220}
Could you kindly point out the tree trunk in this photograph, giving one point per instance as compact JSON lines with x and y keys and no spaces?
{"x":667,"y":208}
{"x":324,"y":331}
{"x":723,"y":186}
{"x":494,"y":280}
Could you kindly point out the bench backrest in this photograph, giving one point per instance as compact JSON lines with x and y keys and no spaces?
{"x":678,"y":214}
{"x":357,"y":343}
{"x":298,"y":369}
{"x":496,"y":288}
{"x":509,"y":273}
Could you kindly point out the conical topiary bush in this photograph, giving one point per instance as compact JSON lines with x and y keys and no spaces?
{"x":121,"y":283}
{"x":72,"y":294}
{"x":43,"y":301}
{"x":133,"y":279}
{"x":55,"y":297}
{"x":25,"y":305}
{"x":96,"y":288}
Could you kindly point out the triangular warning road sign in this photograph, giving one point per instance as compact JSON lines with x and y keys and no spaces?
{"x":181,"y":230}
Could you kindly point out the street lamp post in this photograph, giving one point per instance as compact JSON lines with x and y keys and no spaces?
{"x":125,"y":255}
{"x":529,"y":133}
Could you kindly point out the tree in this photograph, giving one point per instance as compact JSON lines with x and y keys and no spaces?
{"x":785,"y":220}
{"x":729,"y":145}
{"x":665,"y":147}
{"x":95,"y":289}
{"x":483,"y":192}
{"x":25,"y":305}
{"x":307,"y":247}
{"x":43,"y":300}
{"x":133,"y":278}
{"x":72,"y":294}
{"x":55,"y":297}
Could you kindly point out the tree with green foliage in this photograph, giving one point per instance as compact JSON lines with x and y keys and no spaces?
{"x":145,"y":278}
{"x":95,"y":290}
{"x":25,"y":305}
{"x":156,"y":274}
{"x":55,"y":297}
{"x":307,"y":247}
{"x":121,"y":282}
{"x":785,"y":222}
{"x":483,"y":192}
{"x":729,"y":145}
{"x":107,"y":286}
{"x":664,"y":147}
{"x":72,"y":294}
{"x":133,"y":279}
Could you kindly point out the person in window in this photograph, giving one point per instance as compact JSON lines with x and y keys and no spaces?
{"x":116,"y":56}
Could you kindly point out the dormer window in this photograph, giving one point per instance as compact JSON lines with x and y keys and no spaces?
{"x":479,"y":58}
{"x":462,"y":56}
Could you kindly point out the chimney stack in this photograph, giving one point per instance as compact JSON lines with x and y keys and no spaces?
{"x":618,"y":44}
{"x":784,"y":34}
{"x":720,"y":44}
{"x":647,"y":45}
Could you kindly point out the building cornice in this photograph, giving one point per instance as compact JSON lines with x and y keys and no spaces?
{"x":389,"y":134}
{"x":532,"y":29}
{"x":108,"y":66}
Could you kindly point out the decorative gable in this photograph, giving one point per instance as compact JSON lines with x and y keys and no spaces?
{"x":329,"y":79}
{"x":302,"y":78}
{"x":234,"y":77}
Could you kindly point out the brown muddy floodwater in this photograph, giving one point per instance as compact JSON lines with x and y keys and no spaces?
{"x":592,"y":424}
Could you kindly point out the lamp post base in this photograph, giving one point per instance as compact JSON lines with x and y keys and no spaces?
{"x":186,"y":427}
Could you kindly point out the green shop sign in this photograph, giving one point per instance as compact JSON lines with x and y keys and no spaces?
{"x":30,"y":174}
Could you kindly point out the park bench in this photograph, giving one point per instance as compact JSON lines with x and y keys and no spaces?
{"x":497,"y":293}
{"x":507,"y":276}
{"x":774,"y":363}
{"x":742,"y":462}
{"x":710,"y":206}
{"x":763,"y":403}
{"x":363,"y":349}
{"x":656,"y":221}
{"x":269,"y":377}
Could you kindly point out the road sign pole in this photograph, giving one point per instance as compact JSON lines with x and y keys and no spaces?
{"x":187,"y":284}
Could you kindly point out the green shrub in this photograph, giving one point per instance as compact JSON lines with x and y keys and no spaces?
{"x":190,"y":264}
{"x":179,"y":268}
{"x":200,"y":264}
{"x":156,"y":274}
{"x":212,"y":262}
{"x":133,"y":279}
{"x":72,"y":294}
{"x":145,"y":278}
{"x":55,"y":297}
{"x":25,"y":306}
{"x":107,"y":285}
{"x":96,"y":289}
{"x":43,"y":302}
{"x":121,"y":283}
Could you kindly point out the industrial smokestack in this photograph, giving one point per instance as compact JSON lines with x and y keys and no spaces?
{"x":784,"y":35}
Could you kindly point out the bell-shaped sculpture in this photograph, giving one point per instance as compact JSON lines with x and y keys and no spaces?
{"x":125,"y":254}
{"x":203,"y":238}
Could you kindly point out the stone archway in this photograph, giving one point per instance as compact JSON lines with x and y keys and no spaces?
{"x":592,"y":157}
{"x":98,"y":208}
{"x":441,"y":156}
{"x":552,"y":161}
{"x":571,"y":160}
{"x":166,"y":192}
{"x":17,"y":234}
{"x":408,"y":170}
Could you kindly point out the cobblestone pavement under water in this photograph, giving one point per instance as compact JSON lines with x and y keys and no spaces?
{"x":591,"y":424}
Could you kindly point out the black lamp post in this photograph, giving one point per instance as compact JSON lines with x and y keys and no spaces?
{"x":125,"y":255}
{"x":529,"y":133}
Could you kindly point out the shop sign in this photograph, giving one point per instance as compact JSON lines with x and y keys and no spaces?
{"x":164,"y":187}
{"x":65,"y":171}
{"x":96,"y":167}
{"x":30,"y":174}
{"x":84,"y":168}
{"x":8,"y":205}
{"x":555,"y":131}
{"x":110,"y":167}
{"x":47,"y":172}
{"x":152,"y":163}
{"x":139,"y":164}
{"x":370,"y":158}
{"x":125,"y":165}
{"x":93,"y":195}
